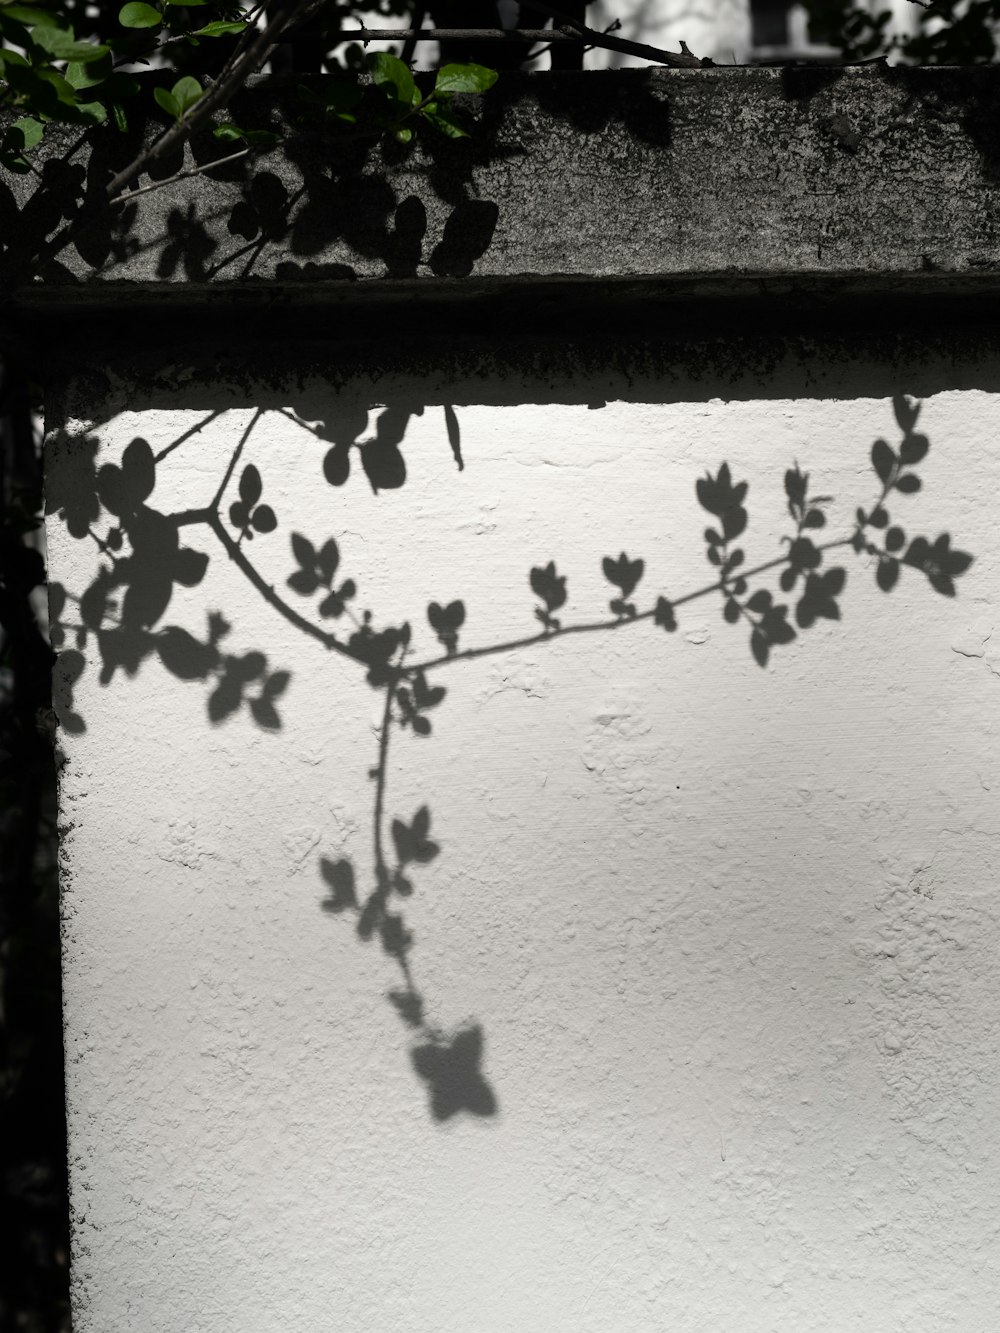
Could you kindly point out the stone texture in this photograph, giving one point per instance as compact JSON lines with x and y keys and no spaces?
{"x":700,"y":179}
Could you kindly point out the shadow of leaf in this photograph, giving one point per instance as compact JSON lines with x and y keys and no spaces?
{"x":71,"y":481}
{"x":68,"y":669}
{"x":453,"y":1076}
{"x":468,"y":234}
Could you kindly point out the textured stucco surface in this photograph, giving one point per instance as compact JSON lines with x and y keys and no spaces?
{"x":869,"y":171}
{"x":732,"y":934}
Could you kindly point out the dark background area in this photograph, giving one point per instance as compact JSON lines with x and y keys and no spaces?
{"x":34,"y":1255}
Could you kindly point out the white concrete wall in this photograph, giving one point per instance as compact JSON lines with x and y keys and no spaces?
{"x":732,"y":935}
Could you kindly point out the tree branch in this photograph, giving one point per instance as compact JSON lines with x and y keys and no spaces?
{"x":608,"y":42}
{"x":186,"y":435}
{"x":380,"y":778}
{"x":266,"y":590}
{"x":591,"y":627}
{"x":231,"y":467}
{"x":234,"y":74}
{"x":526,"y":36}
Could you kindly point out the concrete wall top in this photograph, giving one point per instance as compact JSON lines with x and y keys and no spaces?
{"x":869,"y":174}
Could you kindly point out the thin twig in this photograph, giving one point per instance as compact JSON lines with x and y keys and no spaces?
{"x":175,"y":444}
{"x":409,"y":45}
{"x":610,"y":43}
{"x":214,"y":270}
{"x":210,"y":515}
{"x":235,"y":459}
{"x":380,"y":778}
{"x":266,"y":590}
{"x":180,"y":176}
{"x":521,"y":36}
{"x":234,"y":74}
{"x":613,"y":26}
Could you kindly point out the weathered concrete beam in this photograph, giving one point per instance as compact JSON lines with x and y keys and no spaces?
{"x":705,"y":182}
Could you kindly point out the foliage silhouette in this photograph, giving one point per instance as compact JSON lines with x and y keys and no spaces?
{"x":947,"y":32}
{"x":446,"y":621}
{"x":141,"y":560}
{"x":550,"y":587}
{"x":450,"y":1068}
{"x":33,"y":1215}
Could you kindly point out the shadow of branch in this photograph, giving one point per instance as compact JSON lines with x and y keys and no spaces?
{"x":141,"y":561}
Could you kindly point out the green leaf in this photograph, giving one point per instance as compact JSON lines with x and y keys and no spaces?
{"x":227,"y":132}
{"x":168,"y":102}
{"x":186,"y":92}
{"x":264,"y":139}
{"x":389,"y":71}
{"x":87,"y":75}
{"x":31,"y":130}
{"x":85,"y":53}
{"x":94,"y":112}
{"x":21,"y":135}
{"x":47,"y":94}
{"x":63,"y":91}
{"x":33,"y":17}
{"x":12,"y":58}
{"x":220,"y":28}
{"x":119,"y":117}
{"x":62,"y":45}
{"x":403,"y":134}
{"x":464,"y":79}
{"x":443,"y":121}
{"x":139,"y":16}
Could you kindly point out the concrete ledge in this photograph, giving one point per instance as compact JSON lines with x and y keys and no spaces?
{"x":808,"y":182}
